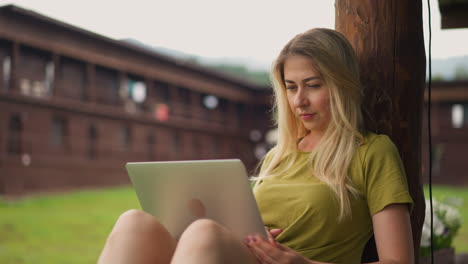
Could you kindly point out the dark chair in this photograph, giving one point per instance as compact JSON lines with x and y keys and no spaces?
{"x":370,"y":252}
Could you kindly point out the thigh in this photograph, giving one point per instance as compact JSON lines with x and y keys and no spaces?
{"x":206,"y":241}
{"x":138,"y":237}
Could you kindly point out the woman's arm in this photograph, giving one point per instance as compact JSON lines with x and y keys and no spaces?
{"x":393,"y":236}
{"x":392,"y":232}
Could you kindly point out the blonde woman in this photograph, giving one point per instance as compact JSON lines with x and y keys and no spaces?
{"x":323,"y":191}
{"x":329,"y":184}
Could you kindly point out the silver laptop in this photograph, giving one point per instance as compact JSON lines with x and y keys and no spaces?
{"x":179,"y":192}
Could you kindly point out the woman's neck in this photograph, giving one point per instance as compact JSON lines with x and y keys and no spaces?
{"x":309,"y":142}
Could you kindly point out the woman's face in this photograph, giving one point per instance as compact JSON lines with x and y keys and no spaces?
{"x":307,"y":95}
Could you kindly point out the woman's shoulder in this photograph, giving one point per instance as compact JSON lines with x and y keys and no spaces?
{"x":267,"y":157}
{"x":373,"y":140}
{"x":376,"y":144}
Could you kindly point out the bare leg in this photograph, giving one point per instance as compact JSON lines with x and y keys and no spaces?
{"x":207,"y":242}
{"x":138,"y":237}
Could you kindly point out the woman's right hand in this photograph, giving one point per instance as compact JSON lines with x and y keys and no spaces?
{"x":273,"y":233}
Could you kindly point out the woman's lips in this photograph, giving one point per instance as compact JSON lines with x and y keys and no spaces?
{"x":306,"y":117}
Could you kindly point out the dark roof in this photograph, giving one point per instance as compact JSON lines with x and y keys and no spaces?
{"x":149,"y":52}
{"x":454,"y":13}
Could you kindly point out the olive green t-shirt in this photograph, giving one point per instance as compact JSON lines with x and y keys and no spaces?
{"x":307,"y":210}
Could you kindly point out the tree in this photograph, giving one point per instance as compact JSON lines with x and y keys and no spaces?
{"x":461,"y":73}
{"x":388,"y":39}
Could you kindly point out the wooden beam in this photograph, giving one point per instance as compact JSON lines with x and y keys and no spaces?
{"x":448,"y":95}
{"x":388,"y":39}
{"x":453,"y":15}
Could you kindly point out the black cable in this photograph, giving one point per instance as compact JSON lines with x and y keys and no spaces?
{"x":429,"y":129}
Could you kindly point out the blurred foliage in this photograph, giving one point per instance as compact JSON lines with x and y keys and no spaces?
{"x":438,"y":77}
{"x":461,"y":73}
{"x":241,"y":71}
{"x":460,"y":195}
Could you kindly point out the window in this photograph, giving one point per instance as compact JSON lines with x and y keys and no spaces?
{"x":108,"y":82}
{"x":184,"y":96}
{"x":125,"y":138}
{"x":15,"y":128}
{"x":71,"y":78}
{"x":465,"y":113}
{"x":196,"y":147}
{"x":136,"y":90}
{"x":150,"y":144}
{"x":49,"y":77}
{"x":32,"y":76}
{"x":162,"y":91}
{"x":210,"y":101}
{"x":175,"y":142}
{"x":241,"y":110}
{"x":223,"y":105}
{"x":59,"y":131}
{"x":92,"y":142}
{"x":6,"y":72}
{"x":459,"y":115}
{"x":185,"y":100}
{"x":216,"y":147}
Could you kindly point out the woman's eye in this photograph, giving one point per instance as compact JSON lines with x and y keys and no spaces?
{"x":313,"y":85}
{"x":290,"y":87}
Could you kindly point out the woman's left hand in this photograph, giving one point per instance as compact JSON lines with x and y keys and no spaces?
{"x":272,"y":252}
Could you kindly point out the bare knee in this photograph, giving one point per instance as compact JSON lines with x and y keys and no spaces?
{"x":137,"y":223}
{"x":138,"y":237}
{"x":204,"y":233}
{"x":206,"y":228}
{"x":133,"y":216}
{"x":206,"y":241}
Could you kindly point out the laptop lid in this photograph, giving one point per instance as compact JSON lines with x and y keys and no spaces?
{"x":179,"y":192}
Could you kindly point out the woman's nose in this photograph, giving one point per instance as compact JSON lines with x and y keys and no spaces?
{"x":300,"y":98}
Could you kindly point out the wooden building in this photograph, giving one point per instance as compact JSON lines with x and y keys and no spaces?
{"x":449,"y":122}
{"x":75,"y":106}
{"x":449,"y":114}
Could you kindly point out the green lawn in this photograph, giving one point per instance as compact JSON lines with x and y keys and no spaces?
{"x":60,"y":228}
{"x":72,"y":227}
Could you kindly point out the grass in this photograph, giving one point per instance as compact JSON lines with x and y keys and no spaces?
{"x":72,"y":227}
{"x":60,"y":228}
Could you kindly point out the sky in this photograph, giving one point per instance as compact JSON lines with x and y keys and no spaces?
{"x":248,"y":29}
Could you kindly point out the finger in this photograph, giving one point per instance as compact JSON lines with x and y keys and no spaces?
{"x":262,"y":256}
{"x":275,"y":232}
{"x":269,"y":235}
{"x":275,"y":253}
{"x":282,"y":247}
{"x":254,"y":252}
{"x":269,"y":248}
{"x":254,"y":249}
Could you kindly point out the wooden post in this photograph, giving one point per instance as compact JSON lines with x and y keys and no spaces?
{"x":388,"y":39}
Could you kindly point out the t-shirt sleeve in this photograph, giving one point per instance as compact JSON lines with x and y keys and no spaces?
{"x":385,"y":175}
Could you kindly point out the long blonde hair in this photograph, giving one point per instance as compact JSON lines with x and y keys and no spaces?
{"x":335,"y":60}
